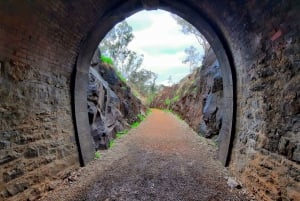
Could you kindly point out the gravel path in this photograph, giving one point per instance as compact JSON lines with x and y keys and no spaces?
{"x":163,"y":159}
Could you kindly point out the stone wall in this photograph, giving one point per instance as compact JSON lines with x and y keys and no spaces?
{"x":39,"y":44}
{"x":37,"y":141}
{"x":266,"y":55}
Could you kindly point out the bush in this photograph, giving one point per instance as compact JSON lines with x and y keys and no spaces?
{"x":176,"y":98}
{"x":168,"y":102}
{"x":106,"y":60}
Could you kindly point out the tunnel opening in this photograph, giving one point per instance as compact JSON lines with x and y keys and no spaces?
{"x":41,"y":41}
{"x":127,"y":66}
{"x":118,"y":14}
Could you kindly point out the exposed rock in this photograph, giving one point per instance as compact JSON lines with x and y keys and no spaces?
{"x":111,"y":105}
{"x":232,"y":183}
{"x":197,"y":98}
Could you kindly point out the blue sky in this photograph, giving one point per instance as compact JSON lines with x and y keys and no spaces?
{"x":158,"y":37}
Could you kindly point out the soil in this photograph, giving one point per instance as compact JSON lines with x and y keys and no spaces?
{"x":162,"y":159}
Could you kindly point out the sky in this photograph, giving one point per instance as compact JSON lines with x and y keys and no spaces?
{"x":159,"y":38}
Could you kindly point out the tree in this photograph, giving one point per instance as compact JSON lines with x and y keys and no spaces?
{"x":144,"y":80}
{"x":115,"y":44}
{"x":188,"y":28}
{"x":133,"y":63}
{"x":170,"y":81}
{"x":193,"y":57}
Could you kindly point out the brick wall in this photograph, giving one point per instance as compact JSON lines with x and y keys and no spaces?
{"x":39,"y":43}
{"x":264,"y":38}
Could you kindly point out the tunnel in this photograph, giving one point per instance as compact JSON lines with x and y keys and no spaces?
{"x":45,"y":50}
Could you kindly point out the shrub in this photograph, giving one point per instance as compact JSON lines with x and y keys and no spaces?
{"x":106,"y":60}
{"x":168,"y":102}
{"x":176,"y":98}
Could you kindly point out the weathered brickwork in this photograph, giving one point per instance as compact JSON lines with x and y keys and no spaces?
{"x":264,"y":38}
{"x":39,"y":45}
{"x":37,"y":141}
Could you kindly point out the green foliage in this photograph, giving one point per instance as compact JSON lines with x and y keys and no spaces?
{"x":118,"y":135}
{"x":150,"y":98}
{"x":168,"y":110}
{"x":149,"y":111}
{"x":120,"y":76}
{"x":144,"y":81}
{"x":121,"y":133}
{"x":135,"y":124}
{"x":116,"y":41}
{"x":136,"y":94}
{"x":97,"y":155}
{"x":175,"y":98}
{"x":127,"y":62}
{"x":193,"y":58}
{"x":168,"y":102}
{"x":171,"y":111}
{"x":141,"y":117}
{"x":115,"y":45}
{"x":111,"y":143}
{"x":106,"y":60}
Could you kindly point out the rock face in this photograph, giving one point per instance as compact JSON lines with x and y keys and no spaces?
{"x":197,"y":98}
{"x":111,"y":105}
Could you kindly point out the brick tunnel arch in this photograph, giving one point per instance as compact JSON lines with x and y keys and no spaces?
{"x":42,"y":42}
{"x":119,"y":13}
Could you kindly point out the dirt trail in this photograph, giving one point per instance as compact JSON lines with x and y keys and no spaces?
{"x":162,"y":159}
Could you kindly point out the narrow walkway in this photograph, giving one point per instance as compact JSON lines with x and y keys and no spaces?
{"x":162,"y":159}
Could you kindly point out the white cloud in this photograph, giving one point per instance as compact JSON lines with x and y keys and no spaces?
{"x":159,"y":39}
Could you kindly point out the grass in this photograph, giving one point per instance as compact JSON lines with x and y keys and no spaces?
{"x":121,"y":133}
{"x":135,"y":124}
{"x":177,"y":115}
{"x":141,"y":117}
{"x":149,"y":111}
{"x":168,"y":110}
{"x":111,"y":143}
{"x":168,"y":102}
{"x":121,"y":77}
{"x":97,"y":155}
